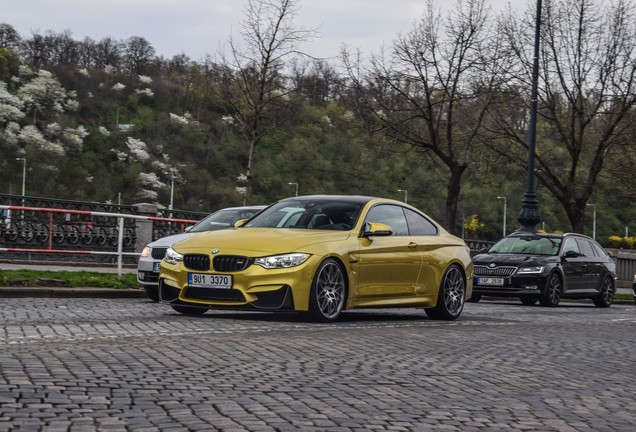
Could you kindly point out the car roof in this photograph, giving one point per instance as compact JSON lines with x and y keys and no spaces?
{"x":254,"y":207}
{"x":548,"y":235}
{"x":348,"y":198}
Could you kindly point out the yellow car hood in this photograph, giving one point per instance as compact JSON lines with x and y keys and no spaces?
{"x":257,"y":241}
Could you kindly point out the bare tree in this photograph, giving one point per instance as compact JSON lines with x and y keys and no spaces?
{"x":316,"y":80}
{"x":108,"y":52}
{"x":138,"y":55}
{"x":587,"y":90}
{"x":36,"y":51}
{"x":253,"y":84}
{"x":432,"y":91}
{"x":63,"y":48}
{"x":86,"y":52}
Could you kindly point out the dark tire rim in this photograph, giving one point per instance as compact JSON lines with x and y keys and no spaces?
{"x":607,"y":292}
{"x":553,"y":291}
{"x":330,"y":290}
{"x":454,"y":288}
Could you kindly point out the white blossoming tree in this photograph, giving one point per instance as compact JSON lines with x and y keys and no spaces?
{"x":33,"y":123}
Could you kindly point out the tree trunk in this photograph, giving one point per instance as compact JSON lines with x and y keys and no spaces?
{"x":249,"y":173}
{"x":452,"y":198}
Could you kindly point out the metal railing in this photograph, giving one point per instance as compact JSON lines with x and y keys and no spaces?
{"x":61,"y":231}
{"x":625,"y":265}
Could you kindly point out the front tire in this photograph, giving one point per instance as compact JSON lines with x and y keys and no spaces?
{"x":152,"y":292}
{"x":328,"y":292}
{"x":606,"y":295}
{"x":528,"y":300}
{"x":475,"y":298}
{"x":450,"y":300}
{"x":552,"y":295}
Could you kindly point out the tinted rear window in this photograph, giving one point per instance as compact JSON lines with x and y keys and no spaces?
{"x":585,"y":247}
{"x":599,"y":250}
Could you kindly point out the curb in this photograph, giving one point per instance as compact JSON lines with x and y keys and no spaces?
{"x":92,"y":292}
{"x":55,"y":292}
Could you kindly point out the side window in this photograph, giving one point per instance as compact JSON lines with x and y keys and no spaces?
{"x":599,"y":250}
{"x":390,"y":215}
{"x":585,"y":248}
{"x":570,"y":245}
{"x":418,"y":224}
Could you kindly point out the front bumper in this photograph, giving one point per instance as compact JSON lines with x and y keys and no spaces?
{"x":148,"y":272}
{"x":513,"y":286}
{"x":253,"y":288}
{"x":278,"y":300}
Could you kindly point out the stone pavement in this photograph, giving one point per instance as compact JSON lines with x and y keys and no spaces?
{"x":91,"y":365}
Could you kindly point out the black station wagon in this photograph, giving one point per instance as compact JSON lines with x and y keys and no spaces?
{"x":545,"y":268}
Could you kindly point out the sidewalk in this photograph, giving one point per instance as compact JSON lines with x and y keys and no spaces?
{"x":99,"y":268}
{"x":66,"y":292}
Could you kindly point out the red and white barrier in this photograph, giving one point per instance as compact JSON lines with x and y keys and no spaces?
{"x":119,"y":216}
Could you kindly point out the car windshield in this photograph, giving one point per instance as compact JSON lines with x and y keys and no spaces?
{"x":222,"y":219}
{"x":527,"y":245}
{"x":308,"y":214}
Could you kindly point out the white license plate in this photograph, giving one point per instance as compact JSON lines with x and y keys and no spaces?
{"x":490,"y":281}
{"x":210,"y":280}
{"x":155,"y":266}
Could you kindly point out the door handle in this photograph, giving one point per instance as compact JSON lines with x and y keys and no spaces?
{"x":413,"y":245}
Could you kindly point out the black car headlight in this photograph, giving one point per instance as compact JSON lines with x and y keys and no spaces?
{"x":530,"y":270}
{"x":282,"y":261}
{"x":172,"y":256}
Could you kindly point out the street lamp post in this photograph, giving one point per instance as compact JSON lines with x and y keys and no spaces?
{"x":23,"y":184}
{"x":171,"y":193}
{"x":23,"y":177}
{"x":406,"y":195}
{"x":593,"y":220}
{"x":295,"y":184}
{"x":504,"y":213}
{"x":529,"y":215}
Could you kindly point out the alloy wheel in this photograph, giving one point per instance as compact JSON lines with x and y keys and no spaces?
{"x":328,"y":294}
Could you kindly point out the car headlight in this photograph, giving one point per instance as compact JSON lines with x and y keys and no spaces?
{"x":530,"y":270}
{"x":146,"y":251}
{"x":172,"y":256}
{"x":282,"y":261}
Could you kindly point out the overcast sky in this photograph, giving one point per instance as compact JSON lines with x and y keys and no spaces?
{"x":200,"y":27}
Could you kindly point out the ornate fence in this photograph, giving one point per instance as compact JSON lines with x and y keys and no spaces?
{"x":81,"y":226}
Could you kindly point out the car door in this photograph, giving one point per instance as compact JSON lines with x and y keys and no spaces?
{"x":574,"y":266}
{"x":430,"y":247}
{"x":389,"y":266}
{"x":593,"y":267}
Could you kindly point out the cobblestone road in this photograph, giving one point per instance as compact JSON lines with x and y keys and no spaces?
{"x":132,"y":365}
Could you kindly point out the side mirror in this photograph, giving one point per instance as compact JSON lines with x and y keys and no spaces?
{"x":572,"y":254}
{"x":376,"y":229}
{"x":239,"y":223}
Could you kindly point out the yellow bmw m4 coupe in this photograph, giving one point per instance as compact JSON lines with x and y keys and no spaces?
{"x":320,"y":255}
